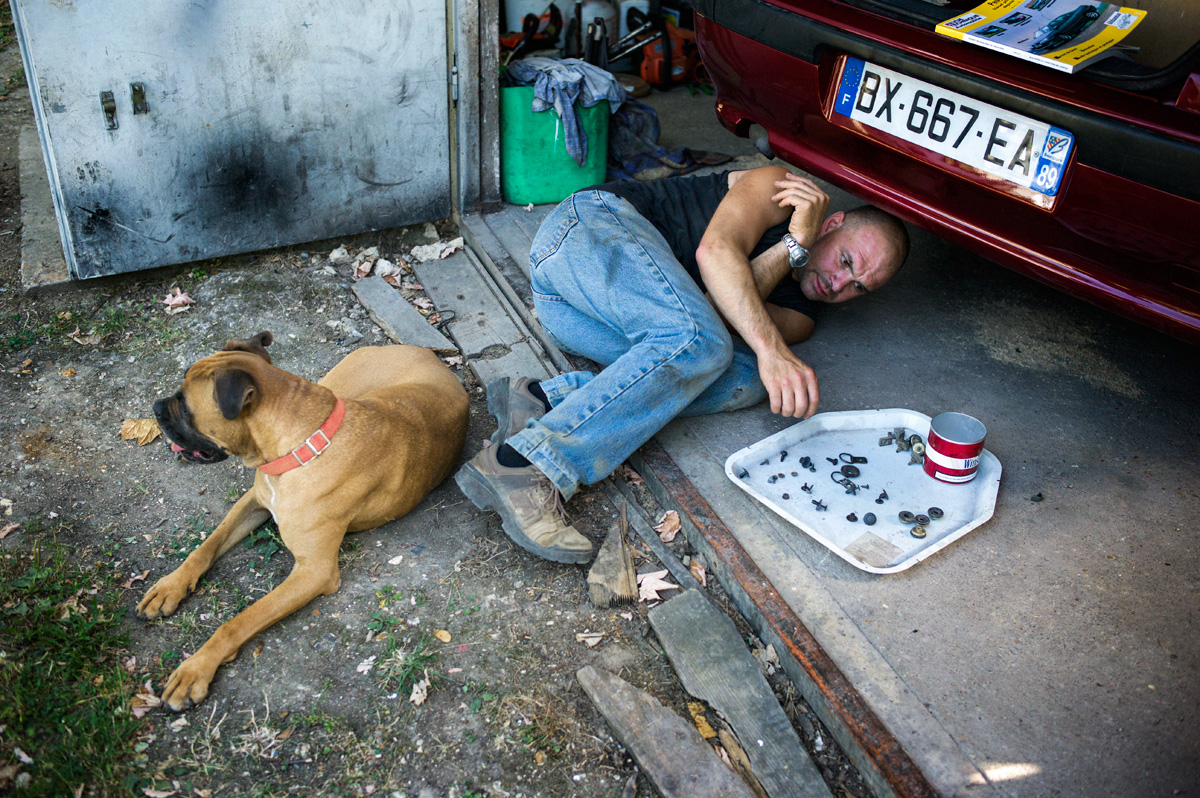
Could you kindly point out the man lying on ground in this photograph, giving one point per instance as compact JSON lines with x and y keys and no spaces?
{"x":690,"y":293}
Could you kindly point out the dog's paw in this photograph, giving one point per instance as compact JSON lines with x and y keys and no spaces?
{"x":164,"y":596}
{"x":188,"y":685}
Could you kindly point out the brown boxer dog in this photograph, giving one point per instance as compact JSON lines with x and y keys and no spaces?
{"x":358,"y":449}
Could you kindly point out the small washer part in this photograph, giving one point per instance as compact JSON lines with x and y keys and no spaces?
{"x":935,"y":513}
{"x":918,"y":531}
{"x":869,"y":519}
{"x":918,"y":448}
{"x":922,"y":519}
{"x":852,"y":518}
{"x":906,"y":517}
{"x":795,"y":474}
{"x":786,"y":496}
{"x":851,"y":471}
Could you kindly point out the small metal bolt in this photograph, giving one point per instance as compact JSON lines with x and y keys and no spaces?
{"x":783,"y":455}
{"x":918,"y":531}
{"x":852,"y":518}
{"x":786,"y":496}
{"x":742,"y":473}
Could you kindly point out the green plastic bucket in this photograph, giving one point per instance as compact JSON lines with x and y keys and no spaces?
{"x":534,"y":163}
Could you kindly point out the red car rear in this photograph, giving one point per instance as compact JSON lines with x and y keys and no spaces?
{"x":1089,"y":182}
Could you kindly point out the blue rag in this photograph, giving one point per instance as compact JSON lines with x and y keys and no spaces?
{"x":559,"y":84}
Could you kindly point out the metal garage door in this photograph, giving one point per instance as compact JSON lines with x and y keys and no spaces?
{"x":175,"y":130}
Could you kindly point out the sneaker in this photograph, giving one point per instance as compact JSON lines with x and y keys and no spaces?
{"x":529,"y":505}
{"x":511,"y":404}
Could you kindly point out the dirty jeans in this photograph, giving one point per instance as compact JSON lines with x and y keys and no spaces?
{"x":607,"y":286}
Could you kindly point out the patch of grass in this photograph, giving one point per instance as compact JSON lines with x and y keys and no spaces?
{"x":19,"y":339}
{"x":15,"y":81}
{"x":265,"y":541}
{"x":63,"y":691}
{"x":188,"y":536}
{"x":402,"y":665}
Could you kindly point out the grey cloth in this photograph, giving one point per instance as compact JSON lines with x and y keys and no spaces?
{"x":559,"y":84}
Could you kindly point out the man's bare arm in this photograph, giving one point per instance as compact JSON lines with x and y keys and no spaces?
{"x":758,"y":200}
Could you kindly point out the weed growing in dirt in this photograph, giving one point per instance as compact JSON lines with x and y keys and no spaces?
{"x":64,"y":692}
{"x":265,"y":541}
{"x":188,"y":536}
{"x":402,"y":667}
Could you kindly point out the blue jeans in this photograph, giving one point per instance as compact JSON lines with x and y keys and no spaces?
{"x":607,"y":286}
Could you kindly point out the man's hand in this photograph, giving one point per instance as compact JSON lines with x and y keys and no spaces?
{"x":808,"y":203}
{"x":791,"y":383}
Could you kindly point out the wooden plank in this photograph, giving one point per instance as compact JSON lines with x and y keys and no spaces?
{"x":713,"y":664}
{"x":666,"y":747}
{"x":511,"y":237}
{"x":478,"y":321}
{"x":530,"y":220}
{"x":880,"y":757}
{"x":402,"y":322}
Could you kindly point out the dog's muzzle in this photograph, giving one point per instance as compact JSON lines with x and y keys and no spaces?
{"x":176,"y":424}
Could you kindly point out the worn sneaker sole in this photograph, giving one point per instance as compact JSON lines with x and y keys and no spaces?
{"x":477,"y":488}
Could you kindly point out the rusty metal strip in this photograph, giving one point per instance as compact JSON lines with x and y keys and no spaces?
{"x":848,"y":708}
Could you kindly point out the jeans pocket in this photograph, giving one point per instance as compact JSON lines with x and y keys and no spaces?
{"x":553,"y":231}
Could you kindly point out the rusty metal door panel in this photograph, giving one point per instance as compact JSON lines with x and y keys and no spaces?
{"x":175,"y":131}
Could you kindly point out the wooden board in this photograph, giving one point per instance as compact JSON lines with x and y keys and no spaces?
{"x":491,"y":340}
{"x":403,"y":323}
{"x":667,"y":747}
{"x":714,"y":665}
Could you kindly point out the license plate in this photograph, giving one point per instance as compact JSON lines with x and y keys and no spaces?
{"x":1012,"y":147}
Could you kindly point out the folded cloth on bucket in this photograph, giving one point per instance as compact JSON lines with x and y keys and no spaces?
{"x":559,"y":84}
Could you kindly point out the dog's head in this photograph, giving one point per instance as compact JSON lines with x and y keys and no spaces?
{"x":204,"y":422}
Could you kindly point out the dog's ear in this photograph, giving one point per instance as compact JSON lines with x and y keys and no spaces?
{"x":256,"y":345}
{"x":235,"y":391}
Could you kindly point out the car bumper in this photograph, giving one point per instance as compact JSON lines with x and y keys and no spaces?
{"x":1122,"y":231}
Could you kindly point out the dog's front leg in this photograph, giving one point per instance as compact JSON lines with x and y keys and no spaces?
{"x":314,"y":574}
{"x":164,"y":597}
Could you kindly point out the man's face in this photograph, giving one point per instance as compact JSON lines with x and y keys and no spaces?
{"x":846,"y":261}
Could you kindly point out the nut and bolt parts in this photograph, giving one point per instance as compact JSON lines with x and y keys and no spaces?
{"x":850,"y":471}
{"x":935,"y":513}
{"x":922,"y":519}
{"x":918,"y":531}
{"x":907,"y":518}
{"x":852,"y":518}
{"x":869,"y":519}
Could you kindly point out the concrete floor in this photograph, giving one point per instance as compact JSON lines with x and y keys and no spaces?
{"x":1052,"y":651}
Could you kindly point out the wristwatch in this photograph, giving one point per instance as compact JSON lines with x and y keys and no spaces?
{"x":797,"y":255}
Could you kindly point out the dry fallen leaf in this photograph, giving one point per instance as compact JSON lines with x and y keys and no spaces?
{"x":668,"y":526}
{"x":696,"y":709}
{"x":143,"y":430}
{"x":66,"y":609}
{"x":176,"y":725}
{"x":366,"y":665}
{"x":150,"y":792}
{"x":8,"y":529}
{"x":68,"y":372}
{"x":91,"y":339}
{"x":24,"y":757}
{"x":258,"y":649}
{"x":128,"y":583}
{"x":144,"y":700}
{"x":443,"y":635}
{"x":591,"y":639}
{"x":697,"y":569}
{"x":631,"y":476}
{"x":177,"y":302}
{"x":650,"y":583}
{"x":420,"y":690}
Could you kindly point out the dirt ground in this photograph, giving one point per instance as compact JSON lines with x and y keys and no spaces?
{"x":318,"y":704}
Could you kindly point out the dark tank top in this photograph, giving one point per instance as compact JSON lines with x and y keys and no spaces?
{"x":681,"y":207}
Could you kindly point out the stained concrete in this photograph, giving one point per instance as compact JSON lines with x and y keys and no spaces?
{"x":1052,"y":650}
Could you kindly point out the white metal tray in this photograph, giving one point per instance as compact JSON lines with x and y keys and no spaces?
{"x":888,"y":546}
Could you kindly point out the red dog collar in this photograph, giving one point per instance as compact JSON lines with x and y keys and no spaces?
{"x":308,"y":451}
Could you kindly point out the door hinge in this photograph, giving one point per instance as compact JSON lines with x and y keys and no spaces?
{"x":454,"y":80}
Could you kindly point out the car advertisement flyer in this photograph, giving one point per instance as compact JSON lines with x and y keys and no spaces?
{"x":1066,"y":35}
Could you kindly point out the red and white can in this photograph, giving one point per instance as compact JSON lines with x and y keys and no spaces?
{"x":953,"y":447}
